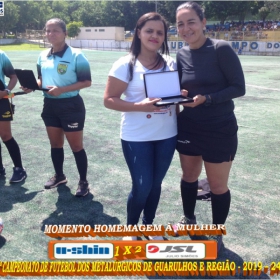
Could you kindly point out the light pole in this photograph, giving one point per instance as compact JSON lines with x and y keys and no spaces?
{"x":156,"y":5}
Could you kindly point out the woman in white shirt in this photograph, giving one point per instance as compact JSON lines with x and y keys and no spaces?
{"x":148,"y":133}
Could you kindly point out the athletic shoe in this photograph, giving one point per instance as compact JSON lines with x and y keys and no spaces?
{"x":131,"y":238}
{"x":55,"y":181}
{"x":1,"y":226}
{"x":218,"y":239}
{"x":2,"y":171}
{"x":82,"y":189}
{"x":186,"y":221}
{"x":18,"y":175}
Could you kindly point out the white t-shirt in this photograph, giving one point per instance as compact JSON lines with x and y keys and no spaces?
{"x":143,"y":126}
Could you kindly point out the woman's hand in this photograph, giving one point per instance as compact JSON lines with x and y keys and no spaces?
{"x":26,"y":90}
{"x":184,"y":92}
{"x":197,"y":100}
{"x":54,"y":90}
{"x":147,"y":105}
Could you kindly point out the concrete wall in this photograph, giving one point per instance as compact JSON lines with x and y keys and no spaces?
{"x":99,"y":44}
{"x":256,"y":48}
{"x":101,"y":33}
{"x":7,"y":41}
{"x":248,"y":47}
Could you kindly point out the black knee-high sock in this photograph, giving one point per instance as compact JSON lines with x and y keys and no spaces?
{"x":82,"y":163}
{"x":14,"y":152}
{"x":1,"y":163}
{"x":57,"y":155}
{"x":189,"y":194}
{"x":220,"y":207}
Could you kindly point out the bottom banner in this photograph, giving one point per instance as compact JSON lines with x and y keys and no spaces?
{"x":133,"y":250}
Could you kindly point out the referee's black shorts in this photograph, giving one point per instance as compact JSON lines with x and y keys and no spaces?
{"x":66,"y":113}
{"x":6,"y":113}
{"x":216,"y":142}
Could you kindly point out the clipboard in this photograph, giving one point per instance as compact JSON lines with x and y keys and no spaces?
{"x":27,"y":79}
{"x":164,"y":85}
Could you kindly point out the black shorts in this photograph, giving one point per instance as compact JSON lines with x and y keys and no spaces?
{"x":6,"y":113}
{"x":216,"y":143}
{"x":66,"y":113}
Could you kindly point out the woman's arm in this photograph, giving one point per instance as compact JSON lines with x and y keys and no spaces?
{"x":12,"y":82}
{"x":56,"y":91}
{"x":11,"y":85}
{"x":112,"y":98}
{"x":232,"y":71}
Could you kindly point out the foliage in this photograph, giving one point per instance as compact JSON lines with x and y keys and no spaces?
{"x":11,"y":17}
{"x":22,"y":15}
{"x":73,"y":28}
{"x":264,"y":12}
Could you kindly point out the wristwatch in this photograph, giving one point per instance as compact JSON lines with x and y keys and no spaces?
{"x":208,"y":100}
{"x":7,"y":90}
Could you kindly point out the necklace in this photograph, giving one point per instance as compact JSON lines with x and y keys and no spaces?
{"x":156,"y":64}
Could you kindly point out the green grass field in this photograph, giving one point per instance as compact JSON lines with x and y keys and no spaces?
{"x":254,"y":220}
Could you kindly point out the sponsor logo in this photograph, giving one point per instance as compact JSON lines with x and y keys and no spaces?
{"x":7,"y":114}
{"x":83,"y":250}
{"x":184,"y":141}
{"x":1,"y":8}
{"x":73,"y":125}
{"x":175,"y":250}
{"x":62,"y":68}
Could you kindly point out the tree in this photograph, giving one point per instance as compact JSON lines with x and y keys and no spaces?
{"x":264,"y":12}
{"x":242,"y":8}
{"x":90,"y":13}
{"x":73,"y":28}
{"x":60,"y":10}
{"x":168,"y":10}
{"x":272,"y":9}
{"x":10,"y":18}
{"x":220,"y":10}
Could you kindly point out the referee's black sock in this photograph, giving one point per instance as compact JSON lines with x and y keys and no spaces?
{"x":189,"y":194}
{"x":14,"y":152}
{"x":57,"y":155}
{"x":82,"y":164}
{"x":220,"y":207}
{"x":1,"y":163}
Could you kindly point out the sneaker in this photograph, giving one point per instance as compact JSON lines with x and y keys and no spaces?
{"x":1,"y":226}
{"x":18,"y":175}
{"x":131,"y":238}
{"x":82,"y":189}
{"x":2,"y":171}
{"x":55,"y":181}
{"x":186,"y":221}
{"x":218,"y":239}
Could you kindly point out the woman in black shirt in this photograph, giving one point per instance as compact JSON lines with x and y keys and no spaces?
{"x":210,"y":72}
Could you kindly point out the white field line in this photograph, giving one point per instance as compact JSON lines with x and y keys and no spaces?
{"x":277,"y":89}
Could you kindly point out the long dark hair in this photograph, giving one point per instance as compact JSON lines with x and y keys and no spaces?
{"x":135,"y":48}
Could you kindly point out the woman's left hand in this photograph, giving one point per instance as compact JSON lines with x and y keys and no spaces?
{"x":197,"y":100}
{"x":54,"y":90}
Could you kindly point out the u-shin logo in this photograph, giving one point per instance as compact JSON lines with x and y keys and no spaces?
{"x":83,"y":250}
